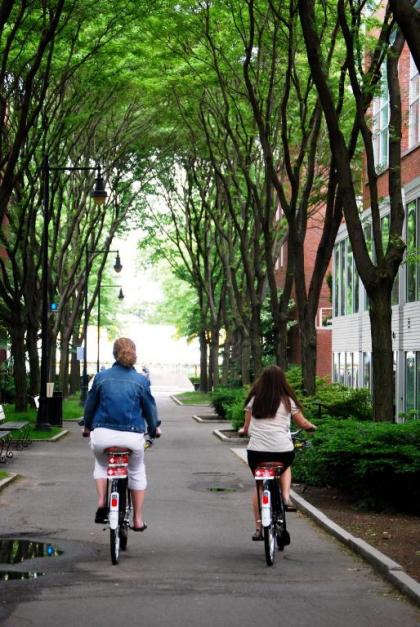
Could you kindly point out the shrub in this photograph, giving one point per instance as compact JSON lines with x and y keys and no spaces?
{"x":236,"y":414}
{"x":379,"y":463}
{"x":223,"y":398}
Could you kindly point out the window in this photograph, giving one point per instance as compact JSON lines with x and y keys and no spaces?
{"x":367,"y":229}
{"x":346,"y":369}
{"x":380,"y":123}
{"x":385,"y":240}
{"x":414,"y":105}
{"x":367,"y":370}
{"x":346,"y":280}
{"x":412,"y":240}
{"x":410,"y":380}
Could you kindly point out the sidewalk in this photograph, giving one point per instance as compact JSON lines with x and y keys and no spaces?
{"x":195,"y":564}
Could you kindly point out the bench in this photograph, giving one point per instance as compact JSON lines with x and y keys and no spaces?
{"x":5,"y":442}
{"x":20,"y":430}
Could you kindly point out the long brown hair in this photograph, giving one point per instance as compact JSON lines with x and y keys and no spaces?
{"x":269,"y":390}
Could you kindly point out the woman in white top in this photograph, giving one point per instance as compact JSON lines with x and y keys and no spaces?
{"x":269,"y":407}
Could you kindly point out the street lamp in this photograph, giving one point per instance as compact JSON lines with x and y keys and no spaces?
{"x":99,"y":195}
{"x":117,"y":268}
{"x":120,"y":297}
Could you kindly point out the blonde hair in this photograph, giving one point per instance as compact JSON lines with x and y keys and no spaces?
{"x":125,"y":352}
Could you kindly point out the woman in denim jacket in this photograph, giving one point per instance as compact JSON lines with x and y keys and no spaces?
{"x":119,"y":409}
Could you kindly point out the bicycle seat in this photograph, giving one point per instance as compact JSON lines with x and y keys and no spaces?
{"x":118,"y":450}
{"x":270,"y":465}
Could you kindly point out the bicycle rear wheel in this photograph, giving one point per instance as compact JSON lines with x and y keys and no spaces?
{"x":283,"y":538}
{"x":116,"y":538}
{"x":270,"y":531}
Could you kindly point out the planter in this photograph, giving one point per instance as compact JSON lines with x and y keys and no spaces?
{"x":229,"y":435}
{"x":209,"y":418}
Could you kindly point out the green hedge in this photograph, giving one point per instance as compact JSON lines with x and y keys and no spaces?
{"x":223,"y":398}
{"x":379,"y":463}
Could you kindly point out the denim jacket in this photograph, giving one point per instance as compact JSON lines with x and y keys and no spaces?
{"x":120,"y":399}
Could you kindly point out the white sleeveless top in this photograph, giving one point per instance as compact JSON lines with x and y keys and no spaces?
{"x":272,"y":434}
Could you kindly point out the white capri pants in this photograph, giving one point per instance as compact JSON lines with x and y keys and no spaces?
{"x":100,"y":439}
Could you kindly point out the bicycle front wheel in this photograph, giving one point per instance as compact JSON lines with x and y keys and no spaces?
{"x":115,"y":544}
{"x":270,"y":531}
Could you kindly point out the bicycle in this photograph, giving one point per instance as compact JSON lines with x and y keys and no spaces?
{"x":119,"y":498}
{"x":271,"y":504}
{"x":272,"y":509}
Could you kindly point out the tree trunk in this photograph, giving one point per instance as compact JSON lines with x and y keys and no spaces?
{"x":74,"y":367}
{"x":63,"y":376}
{"x":255,"y":342}
{"x":382,"y":358}
{"x":203,"y":361}
{"x":34,"y":372}
{"x":245,"y":360}
{"x":227,"y":347}
{"x":280,"y":342}
{"x":214,"y":358}
{"x":17,"y":335}
{"x":308,"y":352}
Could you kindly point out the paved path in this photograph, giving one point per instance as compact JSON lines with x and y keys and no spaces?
{"x":195,"y":565}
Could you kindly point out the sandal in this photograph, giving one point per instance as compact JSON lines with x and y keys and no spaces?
{"x":257,"y":536}
{"x":143,"y":528}
{"x":289,"y":507}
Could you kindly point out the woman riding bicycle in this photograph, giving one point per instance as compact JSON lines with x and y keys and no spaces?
{"x":268,"y":409}
{"x":118,"y":409}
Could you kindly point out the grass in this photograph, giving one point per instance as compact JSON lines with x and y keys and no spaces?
{"x":72,"y":410}
{"x":3,"y":474}
{"x":193,"y":398}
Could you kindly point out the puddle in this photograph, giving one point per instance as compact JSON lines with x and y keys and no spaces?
{"x":9,"y":575}
{"x":16,"y":551}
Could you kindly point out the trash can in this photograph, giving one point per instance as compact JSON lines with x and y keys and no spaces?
{"x":55,"y":409}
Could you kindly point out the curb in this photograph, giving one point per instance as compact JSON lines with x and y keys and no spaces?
{"x":178,"y":402}
{"x":4,"y":482}
{"x":55,"y":438}
{"x":392,"y":571}
{"x":238,"y":440}
{"x":209,"y":418}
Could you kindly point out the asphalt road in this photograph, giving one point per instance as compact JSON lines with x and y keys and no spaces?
{"x":194,"y":565}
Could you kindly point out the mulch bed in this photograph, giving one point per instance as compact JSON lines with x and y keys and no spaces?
{"x":396,"y":535}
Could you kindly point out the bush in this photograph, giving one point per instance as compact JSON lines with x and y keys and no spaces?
{"x":223,"y":398}
{"x":379,"y":463}
{"x":236,"y":414}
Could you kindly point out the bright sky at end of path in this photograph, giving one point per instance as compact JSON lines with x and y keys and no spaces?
{"x":157,"y":344}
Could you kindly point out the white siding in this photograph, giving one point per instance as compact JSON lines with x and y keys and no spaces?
{"x":352,"y":333}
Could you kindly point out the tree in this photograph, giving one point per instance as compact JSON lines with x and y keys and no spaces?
{"x":407,"y":16}
{"x":378,"y":276}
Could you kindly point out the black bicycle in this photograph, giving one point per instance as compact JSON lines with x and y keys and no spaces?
{"x":272,"y":509}
{"x":271,"y":504}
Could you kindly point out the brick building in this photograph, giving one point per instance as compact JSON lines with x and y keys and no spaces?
{"x":323,"y":322}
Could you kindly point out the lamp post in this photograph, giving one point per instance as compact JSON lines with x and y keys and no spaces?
{"x":120,"y":297}
{"x":117,"y":268}
{"x":99,"y":195}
